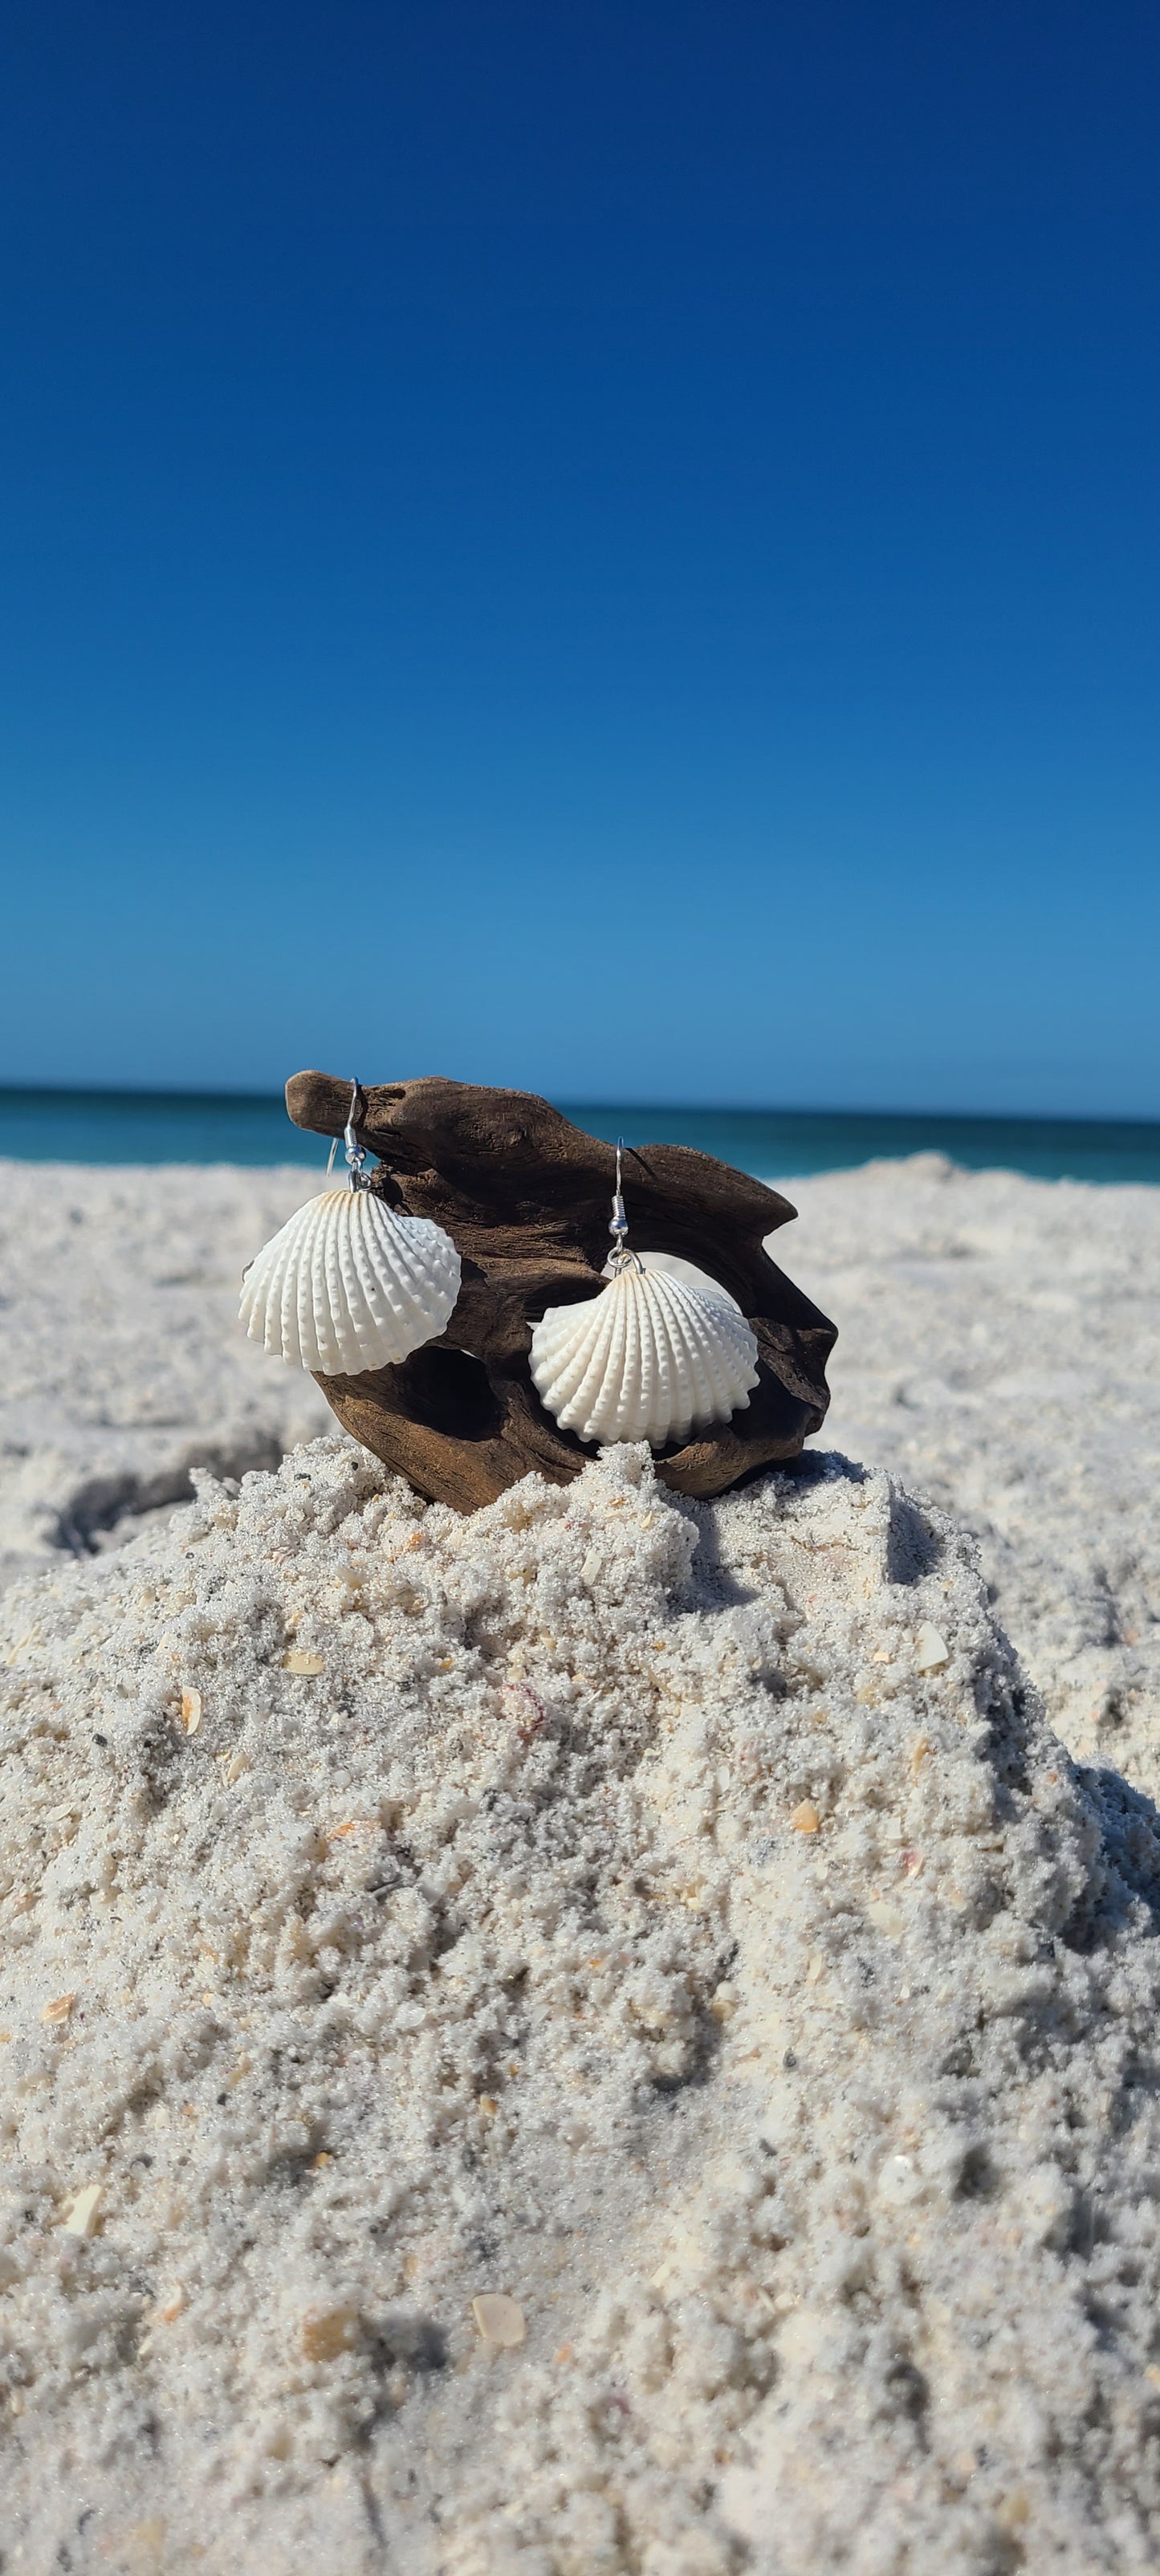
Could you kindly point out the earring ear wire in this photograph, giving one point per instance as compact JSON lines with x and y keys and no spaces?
{"x":355,"y":1153}
{"x":618,"y":1228}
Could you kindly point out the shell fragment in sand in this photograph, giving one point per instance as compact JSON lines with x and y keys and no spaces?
{"x":805,"y":1818}
{"x":59,"y":2009}
{"x":931,"y":1651}
{"x":191,"y":1711}
{"x":500,"y":2320}
{"x":81,"y":2216}
{"x":300,"y":1661}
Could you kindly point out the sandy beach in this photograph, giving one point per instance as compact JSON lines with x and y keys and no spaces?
{"x":998,"y":1350}
{"x":608,"y":2035}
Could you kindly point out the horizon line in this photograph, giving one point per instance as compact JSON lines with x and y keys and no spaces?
{"x":173,"y":1095}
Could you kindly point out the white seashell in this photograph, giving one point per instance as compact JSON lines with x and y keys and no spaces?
{"x":651,"y":1359}
{"x":349,"y":1284}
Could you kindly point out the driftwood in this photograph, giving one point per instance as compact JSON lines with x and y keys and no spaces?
{"x":525,"y":1197}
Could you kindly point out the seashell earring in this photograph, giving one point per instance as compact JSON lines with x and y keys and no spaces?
{"x":349,"y":1284}
{"x":651,"y":1358}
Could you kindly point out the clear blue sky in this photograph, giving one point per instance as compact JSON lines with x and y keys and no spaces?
{"x":603,"y":546}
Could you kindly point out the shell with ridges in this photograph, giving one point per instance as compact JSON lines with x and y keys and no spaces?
{"x":350,"y":1284}
{"x":650,"y":1359}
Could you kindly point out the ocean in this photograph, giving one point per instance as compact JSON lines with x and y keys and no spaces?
{"x":775,"y":1144}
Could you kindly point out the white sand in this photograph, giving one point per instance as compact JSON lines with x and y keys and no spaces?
{"x":493,"y":1958}
{"x":1000,"y":1350}
{"x":122,"y":1362}
{"x":468,"y":1936}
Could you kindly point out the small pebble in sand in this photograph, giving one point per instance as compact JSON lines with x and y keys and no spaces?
{"x":805,"y":1818}
{"x":59,"y":2009}
{"x":328,"y":2331}
{"x":299,"y":1661}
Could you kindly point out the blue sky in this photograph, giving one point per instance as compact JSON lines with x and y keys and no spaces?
{"x":605,"y":547}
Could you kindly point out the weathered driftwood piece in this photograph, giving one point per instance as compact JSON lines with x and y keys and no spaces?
{"x":525,"y":1196}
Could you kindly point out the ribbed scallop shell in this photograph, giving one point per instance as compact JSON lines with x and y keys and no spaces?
{"x":649,"y":1359}
{"x":349,"y":1284}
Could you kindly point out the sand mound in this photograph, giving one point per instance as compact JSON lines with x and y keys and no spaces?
{"x":668,"y":1926}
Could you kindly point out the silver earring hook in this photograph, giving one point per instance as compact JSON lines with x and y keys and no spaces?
{"x":619,"y":1226}
{"x":355,"y":1153}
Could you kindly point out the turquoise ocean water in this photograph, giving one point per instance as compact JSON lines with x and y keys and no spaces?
{"x":217,"y":1127}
